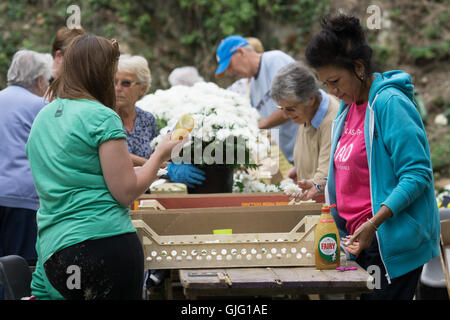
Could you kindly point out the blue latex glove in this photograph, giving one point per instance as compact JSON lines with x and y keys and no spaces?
{"x":188,"y":174}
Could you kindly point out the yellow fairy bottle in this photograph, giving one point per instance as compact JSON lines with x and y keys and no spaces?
{"x":326,"y":241}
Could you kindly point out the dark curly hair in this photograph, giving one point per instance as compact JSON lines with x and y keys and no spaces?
{"x":340,"y":43}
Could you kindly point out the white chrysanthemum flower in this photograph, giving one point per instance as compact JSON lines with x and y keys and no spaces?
{"x":218,"y":114}
{"x":272,"y":188}
{"x":243,"y":182}
{"x":287,"y":184}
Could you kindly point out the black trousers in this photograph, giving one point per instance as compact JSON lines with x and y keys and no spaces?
{"x":400,"y":288}
{"x":18,"y":231}
{"x":110,"y":268}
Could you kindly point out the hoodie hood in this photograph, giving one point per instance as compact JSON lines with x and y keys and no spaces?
{"x":397,"y":79}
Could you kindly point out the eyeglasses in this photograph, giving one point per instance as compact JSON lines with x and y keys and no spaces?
{"x":287,"y":109}
{"x":295,"y":106}
{"x":126,"y":83}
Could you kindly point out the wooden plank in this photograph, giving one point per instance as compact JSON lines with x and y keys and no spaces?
{"x":329,"y":278}
{"x":202,"y":278}
{"x":251,"y":278}
{"x":305,"y":280}
{"x":302,"y":277}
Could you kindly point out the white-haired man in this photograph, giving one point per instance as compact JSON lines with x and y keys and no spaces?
{"x":185,"y":76}
{"x":20,"y":102}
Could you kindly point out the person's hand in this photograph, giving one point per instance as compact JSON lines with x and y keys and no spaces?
{"x":167,"y":147}
{"x":164,"y":165}
{"x":261,"y":124}
{"x":361,"y":239}
{"x":188,"y":174}
{"x":363,"y":236}
{"x":309,"y":190}
{"x":292,"y":174}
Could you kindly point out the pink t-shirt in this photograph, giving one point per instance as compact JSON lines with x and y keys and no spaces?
{"x":352,"y":171}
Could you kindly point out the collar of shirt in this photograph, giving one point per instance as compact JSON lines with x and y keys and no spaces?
{"x":322,"y":110}
{"x":259,"y":67}
{"x":137,"y":121}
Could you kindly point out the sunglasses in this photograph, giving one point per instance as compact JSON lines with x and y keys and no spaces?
{"x":126,"y":83}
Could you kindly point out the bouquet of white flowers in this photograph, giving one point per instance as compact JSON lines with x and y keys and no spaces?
{"x":226,"y":126}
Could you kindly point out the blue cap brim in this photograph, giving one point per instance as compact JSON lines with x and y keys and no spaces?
{"x":223,"y":65}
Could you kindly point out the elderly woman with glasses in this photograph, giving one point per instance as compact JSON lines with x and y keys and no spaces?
{"x":132,"y":81}
{"x":297,"y":94}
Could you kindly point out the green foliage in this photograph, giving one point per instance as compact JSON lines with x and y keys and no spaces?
{"x":146,"y":27}
{"x":434,"y":50}
{"x":33,"y":24}
{"x":161,"y":123}
{"x":440,"y":149}
{"x":8,"y":45}
{"x":382,"y":54}
{"x":431,"y":31}
{"x":239,"y":185}
{"x":307,"y":13}
{"x":421,"y":39}
{"x":219,"y":18}
{"x":420,"y":105}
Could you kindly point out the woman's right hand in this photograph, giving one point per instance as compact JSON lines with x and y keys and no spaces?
{"x":167,"y":147}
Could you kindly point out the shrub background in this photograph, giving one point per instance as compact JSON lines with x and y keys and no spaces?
{"x":414,"y":36}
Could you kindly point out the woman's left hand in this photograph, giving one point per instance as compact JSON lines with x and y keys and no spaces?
{"x":361,"y":239}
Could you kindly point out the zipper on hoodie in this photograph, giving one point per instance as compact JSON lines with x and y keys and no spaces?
{"x":371,"y":130}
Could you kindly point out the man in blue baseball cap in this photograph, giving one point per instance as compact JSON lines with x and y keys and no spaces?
{"x":236,"y":57}
{"x":225,"y":51}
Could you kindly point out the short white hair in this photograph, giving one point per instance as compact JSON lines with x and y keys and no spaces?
{"x":296,"y":82}
{"x":137,"y":65}
{"x":27,"y":66}
{"x":185,"y":76}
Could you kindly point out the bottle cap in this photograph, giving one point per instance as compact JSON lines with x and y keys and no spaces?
{"x":326,"y":208}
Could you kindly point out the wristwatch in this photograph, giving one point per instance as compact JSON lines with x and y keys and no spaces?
{"x":318,"y":186}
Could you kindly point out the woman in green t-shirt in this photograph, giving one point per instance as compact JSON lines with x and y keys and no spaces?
{"x":87,"y":246}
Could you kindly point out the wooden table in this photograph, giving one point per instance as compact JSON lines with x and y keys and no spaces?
{"x":273,"y":281}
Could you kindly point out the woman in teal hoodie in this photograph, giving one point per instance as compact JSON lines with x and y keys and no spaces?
{"x":380,"y":174}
